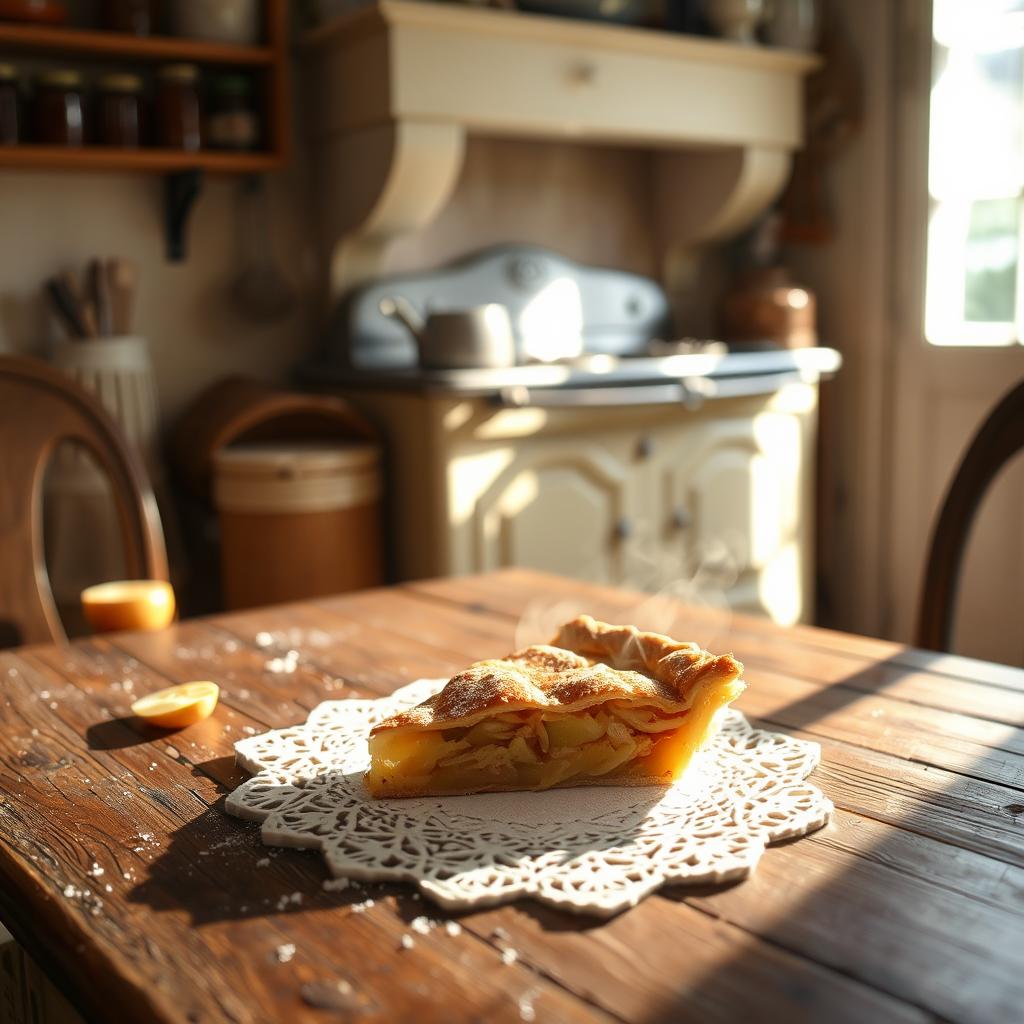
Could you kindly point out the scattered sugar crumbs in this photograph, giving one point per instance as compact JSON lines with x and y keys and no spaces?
{"x":87,"y":897}
{"x":526,"y":1010}
{"x":285,"y":952}
{"x":295,"y":899}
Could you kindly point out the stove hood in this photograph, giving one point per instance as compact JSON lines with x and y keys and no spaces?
{"x":397,"y":87}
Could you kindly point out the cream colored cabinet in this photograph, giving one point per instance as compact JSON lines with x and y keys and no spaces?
{"x":735,"y":499}
{"x":553,"y":505}
{"x":714,"y":503}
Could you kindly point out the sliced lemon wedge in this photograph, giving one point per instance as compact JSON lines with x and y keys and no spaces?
{"x":178,"y":706}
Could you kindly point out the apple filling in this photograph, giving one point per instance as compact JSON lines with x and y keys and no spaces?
{"x":536,"y":749}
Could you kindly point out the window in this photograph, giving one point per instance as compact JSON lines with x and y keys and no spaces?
{"x":975,"y":292}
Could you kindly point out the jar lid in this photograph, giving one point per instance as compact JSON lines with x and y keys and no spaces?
{"x":179,"y":72}
{"x":62,"y":79}
{"x":120,"y":83}
{"x":231,"y":85}
{"x":7,"y":73}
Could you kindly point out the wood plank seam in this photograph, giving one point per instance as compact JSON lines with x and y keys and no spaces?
{"x":242,"y":637}
{"x":865,"y":662}
{"x":74,"y":682}
{"x":799,"y":635}
{"x":778,"y":722}
{"x":263,"y":651}
{"x":199,"y":767}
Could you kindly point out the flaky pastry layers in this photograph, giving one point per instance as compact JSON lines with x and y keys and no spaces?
{"x":600,"y":706}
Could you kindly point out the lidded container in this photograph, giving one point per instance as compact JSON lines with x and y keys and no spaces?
{"x":232,"y":122}
{"x":298,"y":519}
{"x":177,"y":107}
{"x":58,"y":109}
{"x":119,"y":111}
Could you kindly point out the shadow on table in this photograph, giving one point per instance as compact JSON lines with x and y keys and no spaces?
{"x":906,"y":906}
{"x":217,"y":867}
{"x":118,"y":733}
{"x":901,"y":907}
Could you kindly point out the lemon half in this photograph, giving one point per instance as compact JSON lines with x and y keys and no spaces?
{"x":178,"y":706}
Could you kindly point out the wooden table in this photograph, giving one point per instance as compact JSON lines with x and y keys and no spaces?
{"x":908,"y":907}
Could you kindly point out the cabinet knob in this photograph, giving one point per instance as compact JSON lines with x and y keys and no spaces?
{"x":681,"y":519}
{"x":623,"y":529}
{"x":644,"y":447}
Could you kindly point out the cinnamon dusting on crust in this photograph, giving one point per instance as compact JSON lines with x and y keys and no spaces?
{"x":588,"y":662}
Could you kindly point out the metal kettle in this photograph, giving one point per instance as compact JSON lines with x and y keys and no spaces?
{"x":476,"y":337}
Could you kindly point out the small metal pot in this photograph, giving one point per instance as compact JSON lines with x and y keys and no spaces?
{"x":478,"y":337}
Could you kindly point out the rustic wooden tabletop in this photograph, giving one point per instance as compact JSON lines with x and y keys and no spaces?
{"x":121,"y":873}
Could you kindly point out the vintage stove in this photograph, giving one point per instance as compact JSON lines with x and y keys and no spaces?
{"x":584,"y":336}
{"x":592,"y":457}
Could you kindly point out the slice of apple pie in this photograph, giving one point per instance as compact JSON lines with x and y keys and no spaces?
{"x":601,"y":706}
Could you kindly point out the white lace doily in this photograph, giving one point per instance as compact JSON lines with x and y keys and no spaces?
{"x":594,"y":850}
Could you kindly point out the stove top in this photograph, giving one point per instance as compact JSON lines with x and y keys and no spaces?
{"x":690,"y":375}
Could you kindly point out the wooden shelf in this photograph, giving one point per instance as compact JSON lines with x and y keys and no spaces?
{"x":123,"y":46}
{"x":151,"y":160}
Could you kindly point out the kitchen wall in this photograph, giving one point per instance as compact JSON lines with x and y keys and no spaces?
{"x":55,"y":220}
{"x":590,"y":203}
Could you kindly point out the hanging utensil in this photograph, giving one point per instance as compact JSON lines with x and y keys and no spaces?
{"x":261,"y":291}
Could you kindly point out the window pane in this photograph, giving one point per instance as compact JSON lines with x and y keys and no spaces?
{"x":976,"y":103}
{"x":975,"y":172}
{"x":990,"y":285}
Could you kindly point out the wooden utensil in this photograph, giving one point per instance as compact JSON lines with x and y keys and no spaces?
{"x":122,"y":281}
{"x":86,"y":309}
{"x":65,"y":307}
{"x":100,"y":296}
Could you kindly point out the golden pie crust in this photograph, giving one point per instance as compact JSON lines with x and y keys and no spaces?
{"x":600,"y":705}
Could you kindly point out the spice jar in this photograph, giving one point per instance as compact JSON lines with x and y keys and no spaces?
{"x":177,"y":107}
{"x":57,"y":110}
{"x":139,"y":17}
{"x":232,"y":122}
{"x":119,"y":111}
{"x":10,"y":106}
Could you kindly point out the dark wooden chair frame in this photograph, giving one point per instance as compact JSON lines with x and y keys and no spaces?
{"x":39,"y":409}
{"x":1000,"y":438}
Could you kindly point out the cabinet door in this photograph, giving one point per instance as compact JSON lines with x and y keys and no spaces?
{"x":557,"y":506}
{"x":733,"y":507}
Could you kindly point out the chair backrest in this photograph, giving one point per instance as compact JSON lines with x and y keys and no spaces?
{"x":1000,"y":438}
{"x":39,"y":409}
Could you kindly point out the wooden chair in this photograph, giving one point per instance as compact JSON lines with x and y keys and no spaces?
{"x":40,"y":408}
{"x":999,"y":439}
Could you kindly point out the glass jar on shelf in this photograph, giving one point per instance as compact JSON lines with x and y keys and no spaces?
{"x":232,"y":122}
{"x":58,"y":109}
{"x":119,"y":111}
{"x":11,"y":116}
{"x":178,"y":119}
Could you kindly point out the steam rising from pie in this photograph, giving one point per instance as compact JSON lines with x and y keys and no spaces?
{"x":600,"y":706}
